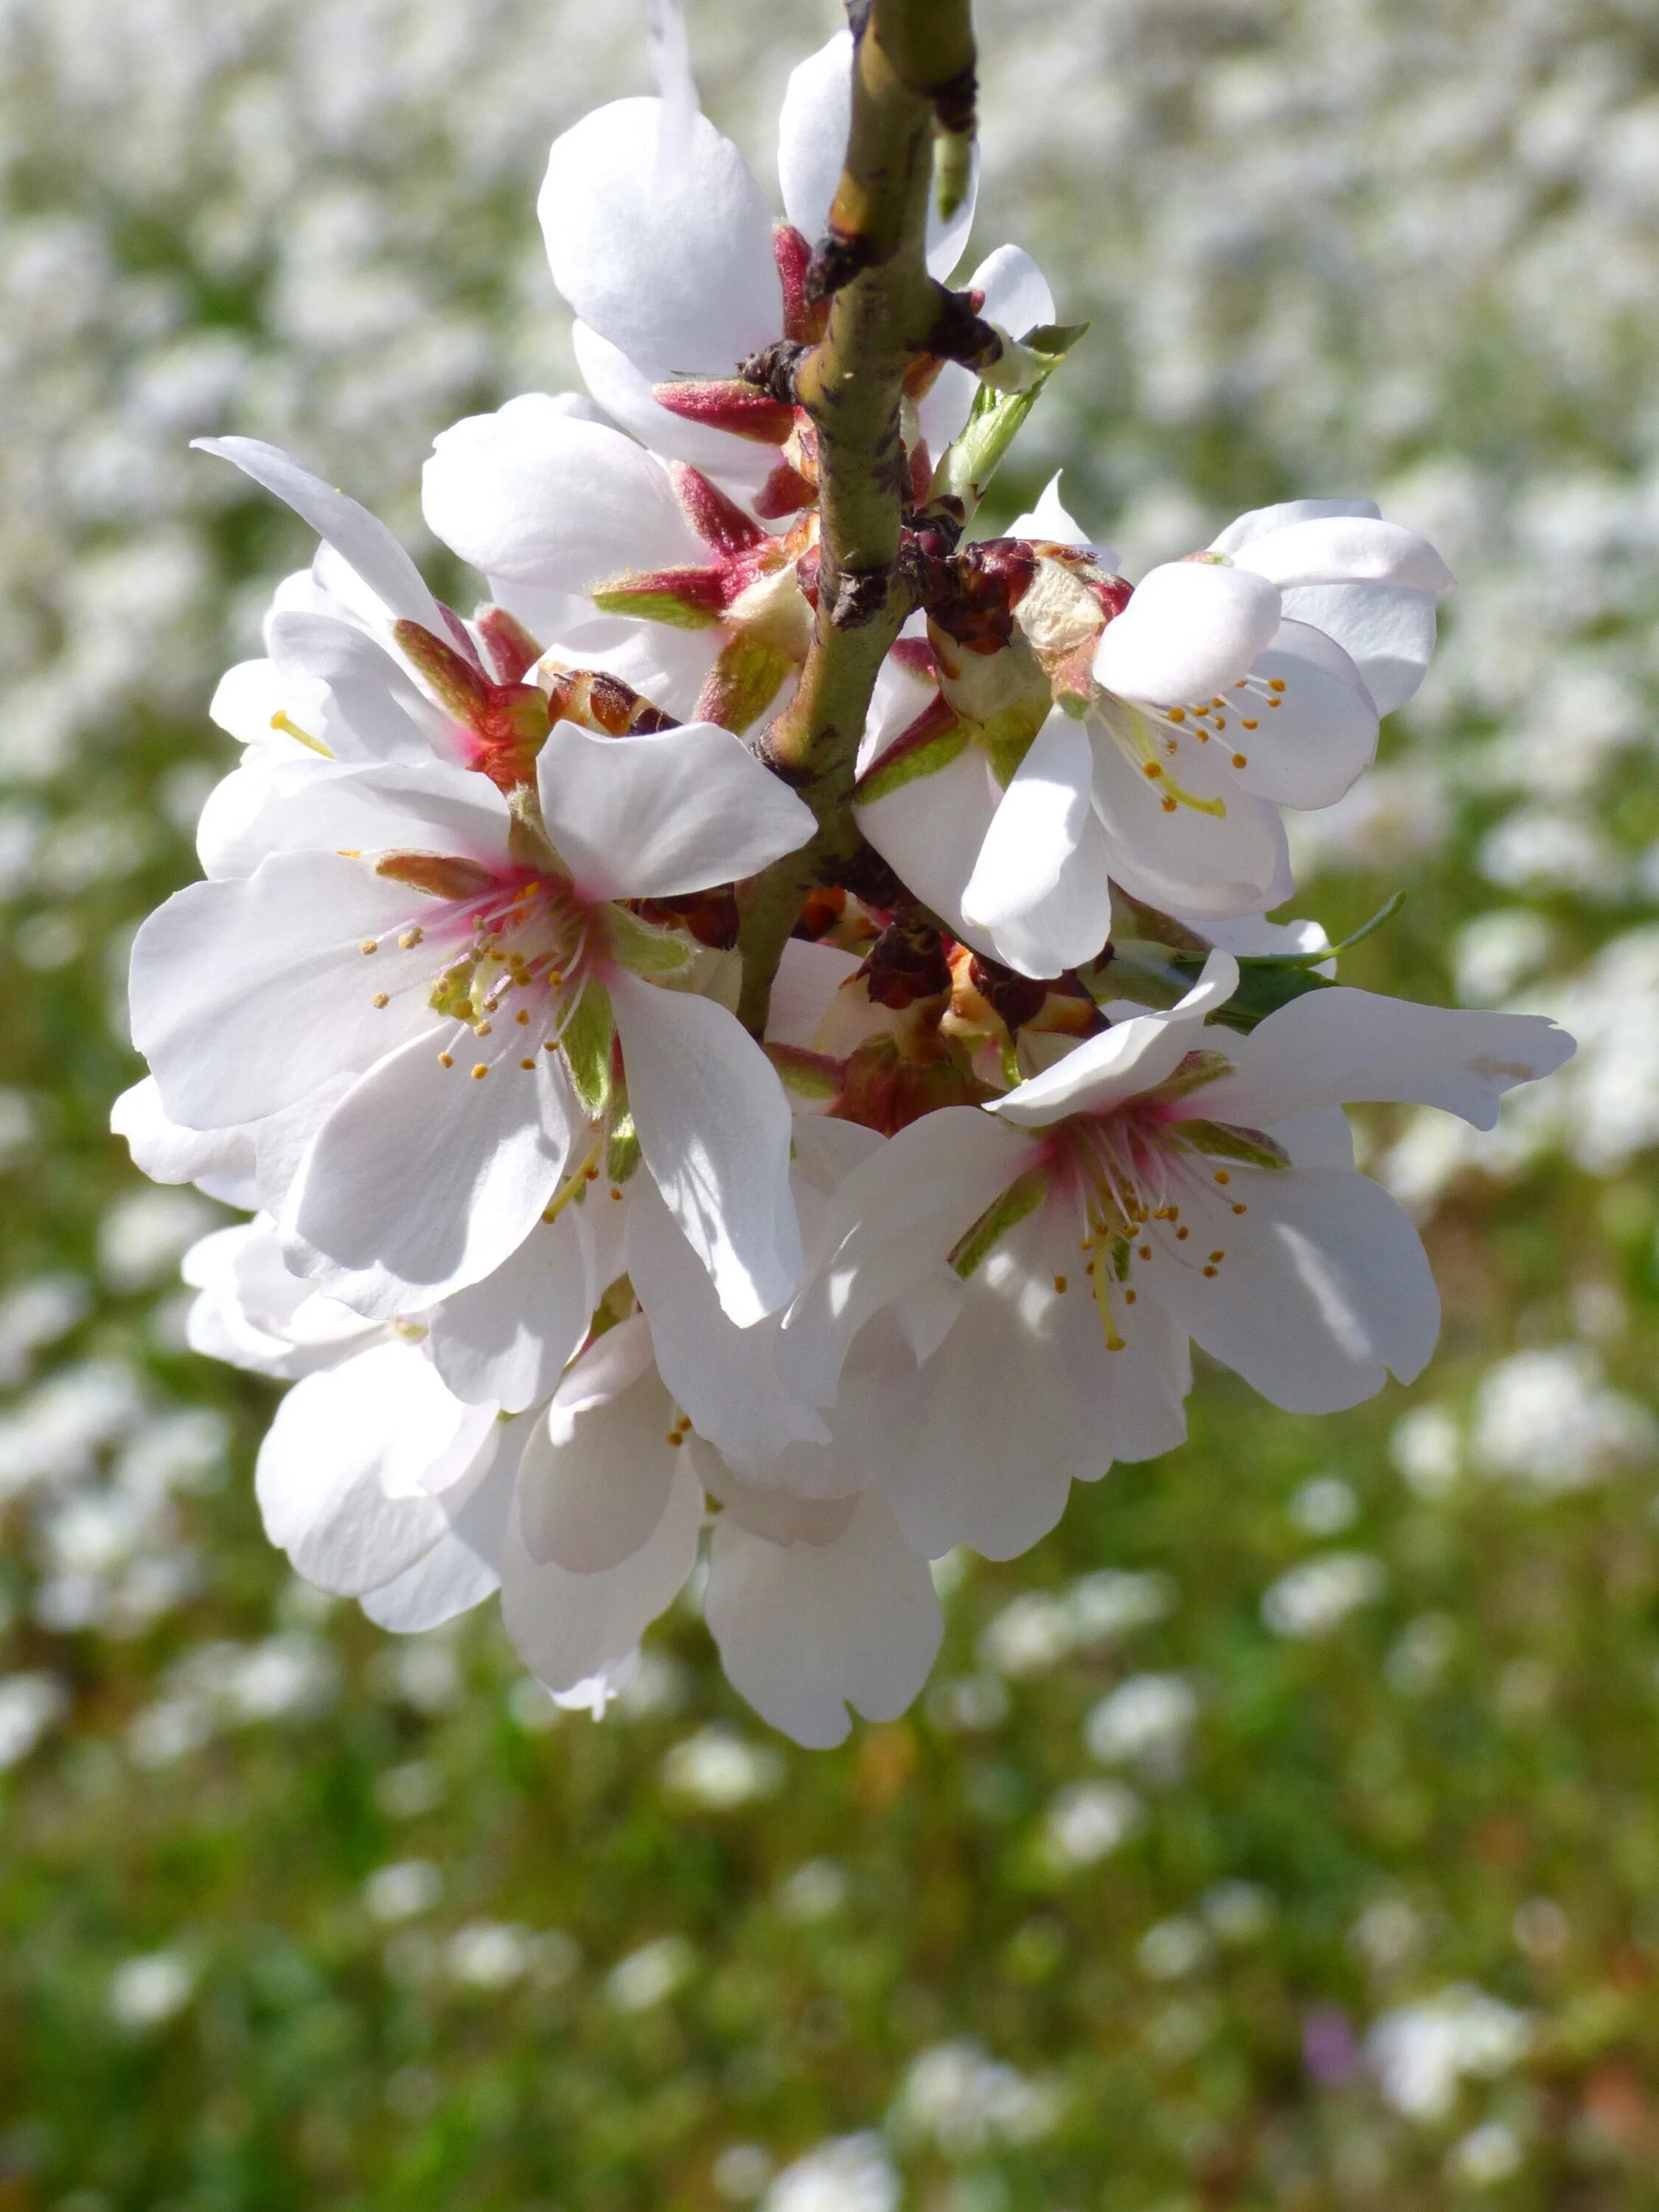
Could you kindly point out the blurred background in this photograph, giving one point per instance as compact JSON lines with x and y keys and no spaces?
{"x":1285,"y":1829}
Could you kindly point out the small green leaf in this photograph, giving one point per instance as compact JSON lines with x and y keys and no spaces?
{"x":965,"y":471}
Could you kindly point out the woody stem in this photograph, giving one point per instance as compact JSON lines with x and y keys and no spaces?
{"x":913,"y":74}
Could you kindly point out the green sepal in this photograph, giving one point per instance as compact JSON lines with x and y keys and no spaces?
{"x":808,"y":1074}
{"x":1023,"y":1196}
{"x":1197,"y":1069}
{"x":1221,"y":1140}
{"x":654,"y":606}
{"x":904,"y":766}
{"x":585,"y":1044}
{"x":643,"y":949}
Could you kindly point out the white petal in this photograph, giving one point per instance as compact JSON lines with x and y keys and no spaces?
{"x":932,"y":830}
{"x":1325,"y":1289}
{"x":725,"y":1378}
{"x":1337,"y":1046}
{"x":627,"y":395}
{"x":168,"y":1152}
{"x":1131,"y":1057}
{"x":805,"y":1630}
{"x":539,"y":496}
{"x":360,"y":539}
{"x":998,"y":1432}
{"x":812,"y":132}
{"x":653,"y":816}
{"x":423,"y":1179}
{"x":464,"y":1566}
{"x":595,"y":1482}
{"x":1051,"y":522}
{"x":813,"y":127}
{"x":1017,"y":299}
{"x":1190,"y":860}
{"x":1260,"y":520}
{"x":890,"y":1227}
{"x":348,"y":1473}
{"x":1192,"y":629}
{"x":713,"y":1126}
{"x":1039,"y":886}
{"x":246,"y":995}
{"x":809,"y":975}
{"x":1306,"y":750}
{"x":676,"y":271}
{"x":308,"y":805}
{"x":506,"y":1339}
{"x":1345,"y":548}
{"x":370,"y":708}
{"x":569,"y":1628}
{"x":246,"y":697}
{"x":1386,"y":630}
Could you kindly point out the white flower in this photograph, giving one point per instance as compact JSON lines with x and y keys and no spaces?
{"x":472,"y":1051}
{"x":1223,"y":688}
{"x":1157,"y":1184}
{"x":1317,"y":1596}
{"x":850,"y":2174}
{"x":1546,"y":1418}
{"x":1421,"y":2052}
{"x":674,"y":265}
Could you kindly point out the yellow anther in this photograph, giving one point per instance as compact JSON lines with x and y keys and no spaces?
{"x":480,"y":1072}
{"x":527,"y":1063}
{"x":409,"y":938}
{"x":380,"y":1000}
{"x":1129,"y":1296}
{"x":550,"y":1044}
{"x":1246,"y":723}
{"x":1241,"y":1209}
{"x":1221,"y":1175}
{"x":1059,"y":1283}
{"x":1144,"y":1250}
{"x":1217,"y":1256}
{"x":1241,"y":760}
{"x":1275,"y":683}
{"x":445,"y":1060}
{"x":1275,"y":702}
{"x":1212,"y":1271}
{"x":675,"y":1438}
{"x":1182,"y":1235}
{"x":1177,"y":715}
{"x":591,"y":1172}
{"x":369,"y":945}
{"x":522,"y":1018}
{"x":481,"y":1028}
{"x":1169,"y":804}
{"x":1150,"y":768}
{"x":1216,"y":705}
{"x":280,"y":721}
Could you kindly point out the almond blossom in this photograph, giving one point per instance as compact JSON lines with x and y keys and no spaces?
{"x":479,"y":1046}
{"x":1150,"y":737}
{"x":1163,"y":1180}
{"x":577,"y":1276}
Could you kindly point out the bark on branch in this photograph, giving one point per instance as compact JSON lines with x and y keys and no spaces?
{"x":913,"y":75}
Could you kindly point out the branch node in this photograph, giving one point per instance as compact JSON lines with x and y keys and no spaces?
{"x":773,"y":369}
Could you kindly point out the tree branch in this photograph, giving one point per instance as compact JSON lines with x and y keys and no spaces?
{"x":913,"y":73}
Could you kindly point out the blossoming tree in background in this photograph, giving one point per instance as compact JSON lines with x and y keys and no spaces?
{"x":767,"y":1033}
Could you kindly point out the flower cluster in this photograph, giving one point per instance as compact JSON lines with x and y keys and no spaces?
{"x":567,"y":1264}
